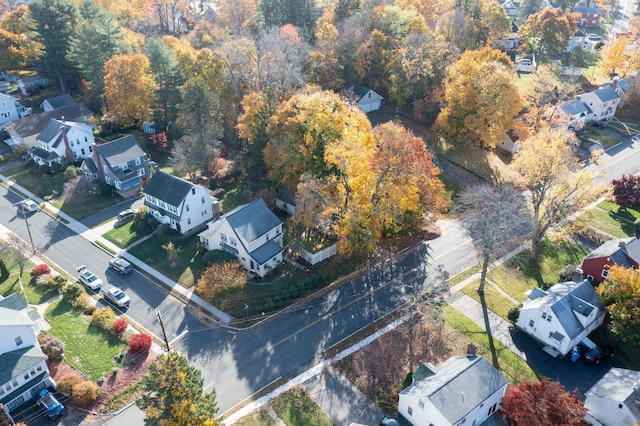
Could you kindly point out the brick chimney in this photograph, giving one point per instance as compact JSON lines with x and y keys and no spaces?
{"x":472,"y":350}
{"x":614,"y":83}
{"x":67,"y":149}
{"x":96,"y":159}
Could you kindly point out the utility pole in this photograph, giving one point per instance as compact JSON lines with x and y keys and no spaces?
{"x":164,"y":334}
{"x":28,"y":229}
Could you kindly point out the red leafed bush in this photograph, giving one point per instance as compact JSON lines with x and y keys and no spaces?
{"x":41,"y":269}
{"x":119,"y":326}
{"x":140,"y":342}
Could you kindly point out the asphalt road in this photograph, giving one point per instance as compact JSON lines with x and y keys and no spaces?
{"x":237,"y":364}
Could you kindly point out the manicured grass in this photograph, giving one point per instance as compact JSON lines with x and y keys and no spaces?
{"x":457,"y":279}
{"x":188,"y":266}
{"x":84,"y":205}
{"x":496,"y":302}
{"x":89,"y":349}
{"x":519,"y":275}
{"x":514,"y":368}
{"x":630,"y":214}
{"x":25,"y":165}
{"x":601,"y":219}
{"x":257,"y":418}
{"x":33,"y":293}
{"x":125,"y":235}
{"x":296,"y":408}
{"x":38,"y":184}
{"x":606,"y":139}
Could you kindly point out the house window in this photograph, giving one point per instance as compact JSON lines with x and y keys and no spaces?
{"x":85,"y":139}
{"x":590,"y":278}
{"x":1,"y":390}
{"x":118,"y":185}
{"x":13,"y":404}
{"x":33,"y":372}
{"x":605,"y":273}
{"x":138,"y":161}
{"x":187,"y":207}
{"x":8,"y":387}
{"x":233,"y":242}
{"x":71,"y":143}
{"x":202,"y":200}
{"x":82,"y":150}
{"x":223,"y":237}
{"x":140,"y":172}
{"x":531,"y":323}
{"x":492,"y":409}
{"x":14,"y":382}
{"x":107,"y":179}
{"x":549,"y":318}
{"x":421,"y":404}
{"x":39,"y":368}
{"x":410,"y":411}
{"x":620,"y":405}
{"x":37,"y":388}
{"x":26,"y":376}
{"x":90,"y":149}
{"x":188,"y":221}
{"x":544,"y":315}
{"x":18,"y":341}
{"x":193,"y":191}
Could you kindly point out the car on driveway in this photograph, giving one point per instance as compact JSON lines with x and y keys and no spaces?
{"x":50,"y":405}
{"x":597,"y":353}
{"x":125,"y":216}
{"x":89,"y":279}
{"x":121,"y":265}
{"x":117,"y":297}
{"x":594,"y":37}
{"x":601,"y":124}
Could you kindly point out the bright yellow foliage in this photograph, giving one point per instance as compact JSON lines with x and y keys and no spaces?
{"x":620,"y":294}
{"x":129,"y":86}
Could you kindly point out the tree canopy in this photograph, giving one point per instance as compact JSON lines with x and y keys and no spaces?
{"x":482,"y":98}
{"x":620,"y":293}
{"x":542,"y":403}
{"x":175,"y":394}
{"x":129,"y":87}
{"x":549,"y":30}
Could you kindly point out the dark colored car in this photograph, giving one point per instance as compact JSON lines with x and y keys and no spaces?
{"x":598,"y":353}
{"x":124,"y":216}
{"x":388,"y":421}
{"x":50,"y":405}
{"x":600,"y":124}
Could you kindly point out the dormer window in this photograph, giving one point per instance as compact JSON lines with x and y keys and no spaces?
{"x":138,"y":161}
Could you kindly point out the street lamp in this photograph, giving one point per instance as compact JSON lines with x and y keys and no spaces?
{"x":33,"y":247}
{"x":246,"y":308}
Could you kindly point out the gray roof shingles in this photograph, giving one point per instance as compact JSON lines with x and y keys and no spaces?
{"x":34,"y":124}
{"x":575,"y":107}
{"x":61,"y":101}
{"x":13,"y":301}
{"x":121,"y":150}
{"x":16,"y":362}
{"x":252,"y":220}
{"x":606,"y":94}
{"x":168,"y":188}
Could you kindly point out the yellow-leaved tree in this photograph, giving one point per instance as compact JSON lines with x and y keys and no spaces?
{"x":482,"y":98}
{"x":128,"y":87}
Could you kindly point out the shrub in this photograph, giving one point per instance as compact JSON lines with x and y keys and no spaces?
{"x":4,"y":272}
{"x":41,"y":269}
{"x":84,"y":393}
{"x":66,"y":383}
{"x":566,"y":274}
{"x":56,"y":167}
{"x":103,"y":318}
{"x":90,"y":309}
{"x":119,"y":326}
{"x":44,"y":169}
{"x":72,"y":292}
{"x":140,"y":342}
{"x":219,"y":277}
{"x":513,"y":314}
{"x":217,"y":256}
{"x":58,"y":281}
{"x":52,"y":346}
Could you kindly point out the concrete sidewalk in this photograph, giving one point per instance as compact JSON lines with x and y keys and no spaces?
{"x":96,"y":238}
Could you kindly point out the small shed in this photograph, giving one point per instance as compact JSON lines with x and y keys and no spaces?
{"x":366,"y":99}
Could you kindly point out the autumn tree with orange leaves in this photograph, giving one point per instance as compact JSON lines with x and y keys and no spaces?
{"x":128,"y":86}
{"x":542,"y":403}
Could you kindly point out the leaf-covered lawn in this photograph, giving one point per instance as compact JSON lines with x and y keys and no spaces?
{"x":296,"y":408}
{"x":89,"y":349}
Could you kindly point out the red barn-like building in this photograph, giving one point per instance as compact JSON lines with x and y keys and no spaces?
{"x":625,"y":252}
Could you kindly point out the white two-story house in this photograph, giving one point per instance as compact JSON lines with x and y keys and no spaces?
{"x":603,"y":103}
{"x":562,"y":316}
{"x":63,"y":142}
{"x":11,"y":109}
{"x":23,"y":365}
{"x":182,"y":205}
{"x":251,"y":232}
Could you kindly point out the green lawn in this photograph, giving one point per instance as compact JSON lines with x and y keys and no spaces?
{"x":630,"y":214}
{"x":257,"y":418}
{"x":125,"y":235}
{"x":519,"y":275}
{"x":296,"y":408}
{"x":457,"y":279}
{"x":84,"y":205}
{"x":188,"y":265}
{"x":89,"y":349}
{"x":614,"y":225}
{"x":33,"y":293}
{"x":594,"y":133}
{"x":514,"y":368}
{"x":496,"y":302}
{"x":40,"y":185}
{"x":25,"y":165}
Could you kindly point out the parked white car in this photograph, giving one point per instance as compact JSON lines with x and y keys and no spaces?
{"x":117,"y":297}
{"x":89,"y":279}
{"x":28,"y":206}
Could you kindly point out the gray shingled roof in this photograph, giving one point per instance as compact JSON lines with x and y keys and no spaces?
{"x":168,"y":188}
{"x":606,"y":94}
{"x":617,"y":385}
{"x":121,"y":150}
{"x":459,"y":386}
{"x":358,"y":90}
{"x":43,"y":153}
{"x":619,"y":250}
{"x":33,"y":124}
{"x":60,"y":101}
{"x":252,"y":220}
{"x":286,"y":195}
{"x":575,"y":107}
{"x":13,"y":301}
{"x":90,"y":165}
{"x":51,"y":133}
{"x":266,"y":252}
{"x":565,"y":298}
{"x":16,"y":362}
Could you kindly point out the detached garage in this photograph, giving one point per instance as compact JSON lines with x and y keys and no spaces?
{"x":367,"y":99}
